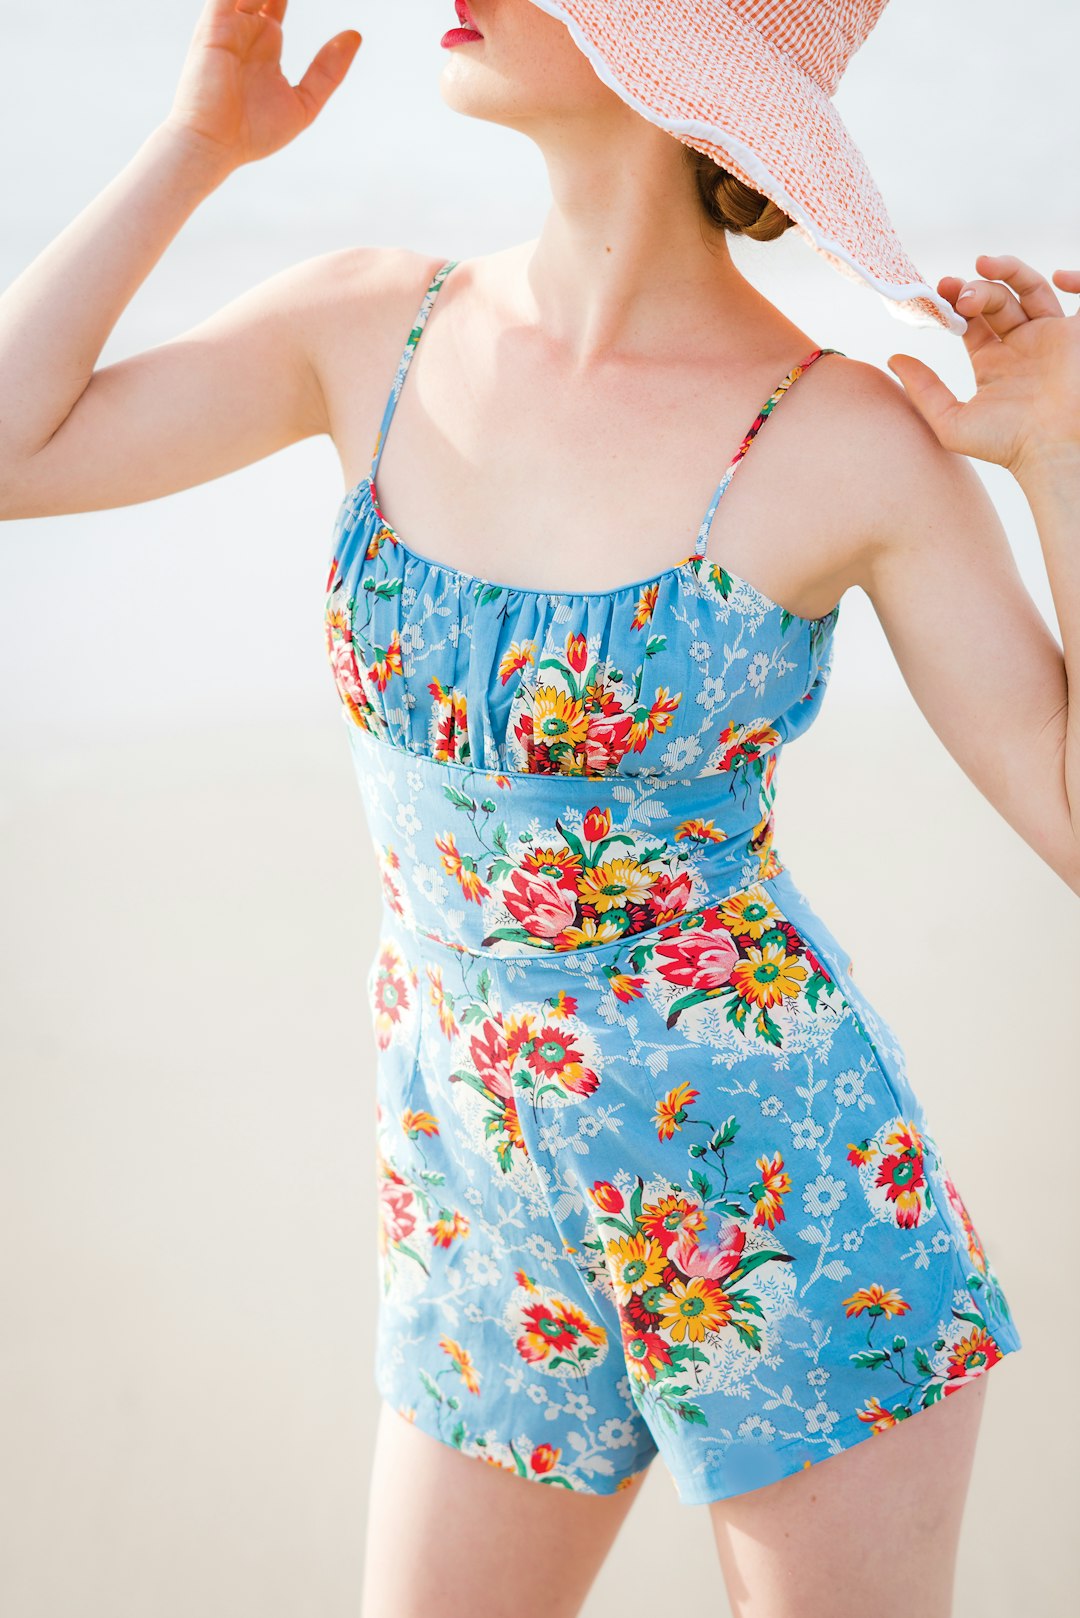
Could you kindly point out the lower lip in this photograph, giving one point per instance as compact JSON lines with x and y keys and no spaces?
{"x":460,"y":36}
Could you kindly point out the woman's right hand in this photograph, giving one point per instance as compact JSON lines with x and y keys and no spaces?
{"x":233,"y":99}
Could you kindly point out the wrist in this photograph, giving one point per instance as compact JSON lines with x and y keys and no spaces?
{"x":1050,"y":468}
{"x":196,"y":157}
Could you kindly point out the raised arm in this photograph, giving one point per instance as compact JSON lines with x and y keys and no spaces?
{"x":974,"y":650}
{"x":231,"y":390}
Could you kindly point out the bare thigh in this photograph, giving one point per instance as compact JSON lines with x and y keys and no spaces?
{"x":449,"y":1535}
{"x":874,"y":1529}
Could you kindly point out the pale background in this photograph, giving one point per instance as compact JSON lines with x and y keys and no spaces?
{"x":186,"y":1179}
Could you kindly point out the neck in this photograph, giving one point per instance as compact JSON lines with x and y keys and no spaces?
{"x":626,"y":264}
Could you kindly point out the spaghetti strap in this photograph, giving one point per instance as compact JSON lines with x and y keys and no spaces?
{"x":762,"y":416}
{"x":403,"y":364}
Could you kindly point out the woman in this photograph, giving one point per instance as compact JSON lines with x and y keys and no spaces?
{"x":652,"y":1175}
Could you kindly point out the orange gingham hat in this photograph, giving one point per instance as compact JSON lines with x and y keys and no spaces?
{"x":749,"y":83}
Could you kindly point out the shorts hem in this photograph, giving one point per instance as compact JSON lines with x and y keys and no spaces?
{"x":702,"y":1493}
{"x":500,"y":1454}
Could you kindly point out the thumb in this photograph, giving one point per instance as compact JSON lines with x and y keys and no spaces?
{"x":328,"y":67}
{"x":936,"y":403}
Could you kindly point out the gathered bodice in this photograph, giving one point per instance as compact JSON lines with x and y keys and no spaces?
{"x":586,"y":763}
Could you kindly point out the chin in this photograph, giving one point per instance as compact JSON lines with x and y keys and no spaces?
{"x":527,"y":72}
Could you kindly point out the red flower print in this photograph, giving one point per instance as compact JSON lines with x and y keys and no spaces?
{"x":596,"y":825}
{"x":606,"y":1196}
{"x":646,"y":1353}
{"x":901,"y":1174}
{"x":542,"y":905}
{"x":700,"y":957}
{"x":396,"y":1216}
{"x":975,"y":1353}
{"x":669,"y":1218}
{"x":492,"y":1059}
{"x":670,"y":895}
{"x":577,"y":653}
{"x":543,"y":1458}
{"x":624,"y":987}
{"x":551,"y":1054}
{"x":716,"y":1261}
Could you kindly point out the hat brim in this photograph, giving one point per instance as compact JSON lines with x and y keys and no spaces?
{"x":717,"y":84}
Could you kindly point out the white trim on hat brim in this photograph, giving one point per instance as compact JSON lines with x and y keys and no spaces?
{"x":890,"y":292}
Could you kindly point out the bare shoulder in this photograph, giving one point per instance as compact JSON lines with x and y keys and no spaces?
{"x":354,"y":310}
{"x":900,"y":488}
{"x":368,"y":284}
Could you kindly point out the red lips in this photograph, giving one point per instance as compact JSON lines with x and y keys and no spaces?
{"x":467,"y":34}
{"x":465,"y":17}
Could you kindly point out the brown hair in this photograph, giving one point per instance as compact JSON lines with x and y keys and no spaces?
{"x":732,"y":206}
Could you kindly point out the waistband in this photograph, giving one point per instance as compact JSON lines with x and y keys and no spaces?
{"x":520,"y":865}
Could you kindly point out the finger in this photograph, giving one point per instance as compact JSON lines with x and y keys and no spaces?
{"x":1068,"y":281}
{"x":936,"y":403}
{"x":1034,"y":291}
{"x":979,"y":330}
{"x":994,"y":302}
{"x":328,"y":68}
{"x":274,"y":9}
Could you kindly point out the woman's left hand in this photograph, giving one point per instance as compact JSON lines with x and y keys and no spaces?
{"x":1025,"y":354}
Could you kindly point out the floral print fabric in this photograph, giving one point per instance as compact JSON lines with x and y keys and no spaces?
{"x":652,"y":1177}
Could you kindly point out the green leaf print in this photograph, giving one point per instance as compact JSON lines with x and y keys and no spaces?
{"x":460,"y":800}
{"x":750,"y":1335}
{"x":750,"y":1261}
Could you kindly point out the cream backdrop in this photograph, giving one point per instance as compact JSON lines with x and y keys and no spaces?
{"x":186,"y":1186}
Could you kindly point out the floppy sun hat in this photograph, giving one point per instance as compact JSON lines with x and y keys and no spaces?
{"x":749,"y":83}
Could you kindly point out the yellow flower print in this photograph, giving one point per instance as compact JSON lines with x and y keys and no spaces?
{"x":463,"y":1362}
{"x":451,"y":724}
{"x":383,"y":536}
{"x":875,"y":1413}
{"x":768,"y":976}
{"x":670,"y":1113}
{"x":562,"y":1005}
{"x":447,"y":1227}
{"x":749,"y":914}
{"x":701,"y":831}
{"x":693,"y":1307}
{"x":768,"y":1209}
{"x":591,"y":931}
{"x":877,"y":1300}
{"x":557,"y":717}
{"x":646,"y":606}
{"x":636,"y":1264}
{"x":624,"y":987}
{"x":654,"y":720}
{"x":975,"y":1352}
{"x":461,"y":866}
{"x":387,"y":662}
{"x":615,"y":884}
{"x":671,"y":1216}
{"x":441,"y":1002}
{"x":419,"y":1123}
{"x":521,"y":654}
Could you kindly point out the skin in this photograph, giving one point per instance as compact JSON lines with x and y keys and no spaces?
{"x":628,"y":310}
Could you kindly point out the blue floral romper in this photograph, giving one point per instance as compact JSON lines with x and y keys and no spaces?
{"x":651,"y":1173}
